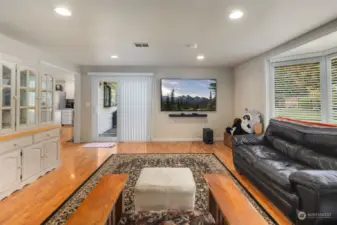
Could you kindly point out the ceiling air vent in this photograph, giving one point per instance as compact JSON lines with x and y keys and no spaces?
{"x":141,"y":45}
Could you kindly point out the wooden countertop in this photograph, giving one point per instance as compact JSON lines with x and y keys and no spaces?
{"x":6,"y":137}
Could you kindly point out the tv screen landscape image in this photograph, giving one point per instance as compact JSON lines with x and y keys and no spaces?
{"x":188,"y":95}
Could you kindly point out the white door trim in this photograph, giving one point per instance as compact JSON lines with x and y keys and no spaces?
{"x":78,"y":108}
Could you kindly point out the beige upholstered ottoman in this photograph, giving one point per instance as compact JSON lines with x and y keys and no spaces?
{"x":165,"y":188}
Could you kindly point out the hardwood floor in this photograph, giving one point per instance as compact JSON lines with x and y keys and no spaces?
{"x":34,"y":203}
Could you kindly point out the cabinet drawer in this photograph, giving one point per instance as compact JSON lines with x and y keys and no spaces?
{"x":67,"y":112}
{"x":46,"y":135}
{"x":70,"y":113}
{"x":68,"y":117}
{"x":16,"y":143}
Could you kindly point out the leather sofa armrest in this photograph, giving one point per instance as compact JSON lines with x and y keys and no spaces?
{"x":248,"y":139}
{"x":317,"y":191}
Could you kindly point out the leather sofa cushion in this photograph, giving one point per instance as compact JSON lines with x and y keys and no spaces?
{"x":316,"y":160}
{"x":318,"y":138}
{"x":322,"y":140}
{"x":305,"y":155}
{"x":278,"y":171}
{"x":251,"y":153}
{"x":288,"y":148}
{"x":283,"y":130}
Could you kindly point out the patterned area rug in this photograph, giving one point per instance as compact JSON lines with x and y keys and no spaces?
{"x":132,"y":165}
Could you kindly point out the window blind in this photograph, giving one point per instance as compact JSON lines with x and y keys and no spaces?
{"x":332,"y":87}
{"x":297,"y":91}
{"x":135,"y":108}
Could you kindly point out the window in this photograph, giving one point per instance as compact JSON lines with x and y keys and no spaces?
{"x":332,"y":88}
{"x":297,"y":91}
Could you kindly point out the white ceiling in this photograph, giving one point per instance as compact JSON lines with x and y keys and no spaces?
{"x":319,"y":45}
{"x":100,"y":28}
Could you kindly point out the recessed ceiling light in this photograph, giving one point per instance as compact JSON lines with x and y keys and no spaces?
{"x":235,"y":14}
{"x":114,"y":56}
{"x":63,"y":11}
{"x":200,"y":57}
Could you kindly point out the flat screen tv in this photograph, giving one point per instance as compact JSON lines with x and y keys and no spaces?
{"x":188,"y":95}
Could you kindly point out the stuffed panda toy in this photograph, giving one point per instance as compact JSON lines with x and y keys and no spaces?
{"x":246,"y":124}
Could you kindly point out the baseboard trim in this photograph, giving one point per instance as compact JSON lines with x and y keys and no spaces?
{"x":168,"y":140}
{"x":182,"y":139}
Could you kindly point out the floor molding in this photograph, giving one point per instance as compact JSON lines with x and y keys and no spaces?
{"x":182,"y":139}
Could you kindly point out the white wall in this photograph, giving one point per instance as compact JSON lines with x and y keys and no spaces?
{"x":164,"y":127}
{"x":252,"y":78}
{"x":31,"y":56}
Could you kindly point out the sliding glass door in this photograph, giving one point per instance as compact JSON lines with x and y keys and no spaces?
{"x":121,"y":108}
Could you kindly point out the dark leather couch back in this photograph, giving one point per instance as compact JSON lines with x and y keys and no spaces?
{"x":314,"y":146}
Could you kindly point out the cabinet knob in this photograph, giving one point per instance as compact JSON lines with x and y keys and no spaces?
{"x":15,"y":145}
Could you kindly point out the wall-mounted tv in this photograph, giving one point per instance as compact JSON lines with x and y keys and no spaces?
{"x":188,"y":95}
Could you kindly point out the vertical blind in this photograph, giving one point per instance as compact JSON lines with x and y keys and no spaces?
{"x":332,"y":87}
{"x":297,"y":91}
{"x":135,"y":108}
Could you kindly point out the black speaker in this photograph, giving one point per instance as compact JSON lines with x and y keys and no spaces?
{"x":208,"y":135}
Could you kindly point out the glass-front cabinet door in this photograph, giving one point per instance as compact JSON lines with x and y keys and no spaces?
{"x":7,"y":93}
{"x":47,"y":99}
{"x":27,"y":95}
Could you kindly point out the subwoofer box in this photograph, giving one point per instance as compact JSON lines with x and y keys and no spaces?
{"x":208,"y":135}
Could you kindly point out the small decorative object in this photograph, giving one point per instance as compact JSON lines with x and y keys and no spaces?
{"x":250,"y":119}
{"x":245,"y":125}
{"x":236,"y":128}
{"x":107,"y":95}
{"x":58,"y":87}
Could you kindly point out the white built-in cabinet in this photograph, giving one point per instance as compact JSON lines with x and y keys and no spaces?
{"x":26,"y":96}
{"x":31,"y":154}
{"x":26,"y":158}
{"x":10,"y":170}
{"x":29,"y":143}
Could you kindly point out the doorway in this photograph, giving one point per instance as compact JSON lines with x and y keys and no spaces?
{"x":106,"y":110}
{"x":107,"y":106}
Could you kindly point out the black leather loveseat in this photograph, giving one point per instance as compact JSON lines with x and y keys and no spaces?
{"x":295,"y":166}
